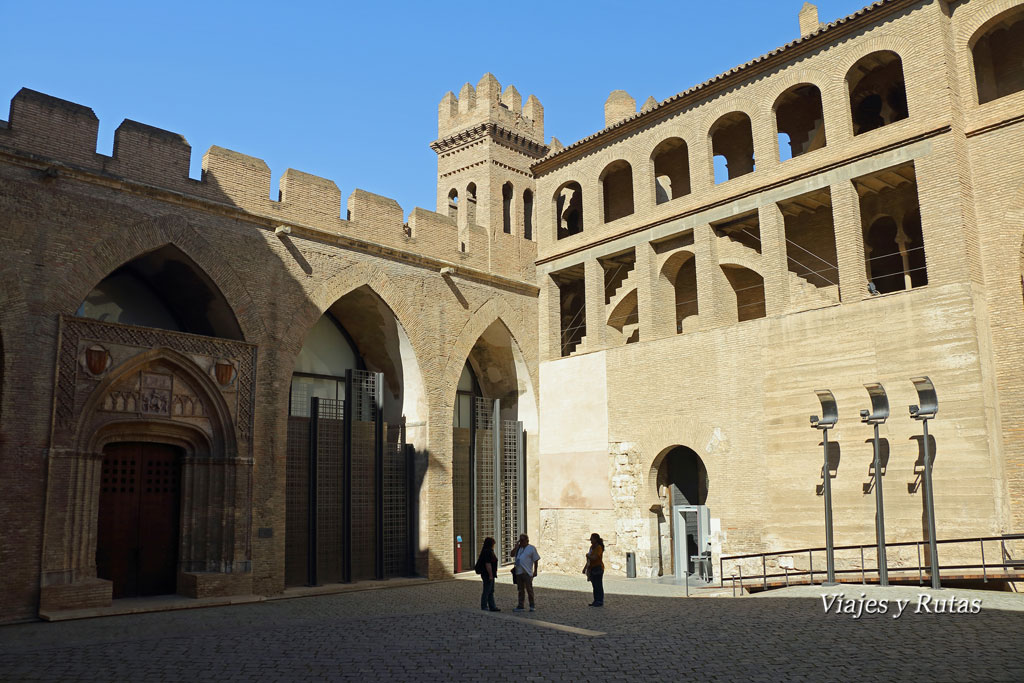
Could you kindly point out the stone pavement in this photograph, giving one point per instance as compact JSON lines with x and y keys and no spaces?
{"x":435,"y":632}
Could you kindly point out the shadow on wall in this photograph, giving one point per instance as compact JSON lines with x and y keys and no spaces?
{"x":834,"y":456}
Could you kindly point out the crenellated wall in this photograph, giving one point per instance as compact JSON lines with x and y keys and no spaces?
{"x":53,"y":129}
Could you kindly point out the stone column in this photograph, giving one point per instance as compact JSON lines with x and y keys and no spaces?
{"x":853,"y":279}
{"x":773,"y":247}
{"x":549,"y":318}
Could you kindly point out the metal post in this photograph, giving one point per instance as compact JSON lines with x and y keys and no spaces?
{"x":984,"y":572}
{"x":764,"y":570}
{"x":311,"y":549}
{"x":520,"y":478}
{"x":883,"y":565}
{"x":830,"y":560}
{"x":930,"y":506}
{"x":496,"y":433}
{"x":863,"y":579}
{"x":348,"y":413}
{"x":378,"y":466}
{"x":810,"y":565}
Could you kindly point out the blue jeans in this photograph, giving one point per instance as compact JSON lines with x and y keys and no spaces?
{"x":487,"y":597}
{"x":597,"y":581}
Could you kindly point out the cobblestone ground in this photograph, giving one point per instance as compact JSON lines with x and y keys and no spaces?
{"x":436,"y":632}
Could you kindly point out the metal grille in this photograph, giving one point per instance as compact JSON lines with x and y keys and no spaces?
{"x":485,"y":458}
{"x":396,"y":507}
{"x":296,"y":524}
{"x":364,"y":493}
{"x":511,"y":466}
{"x":330,"y":512}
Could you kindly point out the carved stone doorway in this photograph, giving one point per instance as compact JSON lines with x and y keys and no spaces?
{"x":139,"y":512}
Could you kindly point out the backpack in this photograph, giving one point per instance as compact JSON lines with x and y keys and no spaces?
{"x":480,"y":564}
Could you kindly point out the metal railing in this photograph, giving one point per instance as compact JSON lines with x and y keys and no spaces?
{"x":1006,"y":562}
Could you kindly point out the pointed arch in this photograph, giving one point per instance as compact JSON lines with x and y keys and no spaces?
{"x":124,"y":246}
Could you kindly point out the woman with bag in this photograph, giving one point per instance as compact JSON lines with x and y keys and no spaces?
{"x":594,"y":568}
{"x":487,"y":568}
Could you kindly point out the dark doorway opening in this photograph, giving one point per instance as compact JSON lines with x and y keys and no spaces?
{"x":139,"y":518}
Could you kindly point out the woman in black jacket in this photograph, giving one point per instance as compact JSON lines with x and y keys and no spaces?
{"x":487,"y":568}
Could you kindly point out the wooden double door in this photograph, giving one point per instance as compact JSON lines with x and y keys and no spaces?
{"x":139,"y":511}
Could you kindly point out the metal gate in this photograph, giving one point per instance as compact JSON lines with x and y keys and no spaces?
{"x":498,"y":478}
{"x":348,"y":487}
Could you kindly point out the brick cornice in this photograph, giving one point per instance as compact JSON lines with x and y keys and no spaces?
{"x":499,"y":134}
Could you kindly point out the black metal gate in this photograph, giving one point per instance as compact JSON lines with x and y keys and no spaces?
{"x":348,"y":487}
{"x":498,"y":478}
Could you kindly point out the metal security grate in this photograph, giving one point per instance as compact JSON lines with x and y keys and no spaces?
{"x":396,"y":503}
{"x":296,"y":564}
{"x":364,"y":490}
{"x":330,"y":487}
{"x":484,"y":461}
{"x":511,"y":467}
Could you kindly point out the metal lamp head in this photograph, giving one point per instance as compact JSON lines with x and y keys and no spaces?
{"x":879,"y":405}
{"x":927,"y":402}
{"x":829,"y":410}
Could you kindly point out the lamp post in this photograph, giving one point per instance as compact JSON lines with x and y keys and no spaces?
{"x":928,"y":406}
{"x":876,"y":416}
{"x":829,"y":417}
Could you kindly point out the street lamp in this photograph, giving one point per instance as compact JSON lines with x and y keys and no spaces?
{"x":876,"y":416}
{"x":829,"y":417}
{"x":927,"y":407}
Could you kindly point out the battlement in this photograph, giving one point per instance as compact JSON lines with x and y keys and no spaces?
{"x":51,"y":129}
{"x":487,"y":103}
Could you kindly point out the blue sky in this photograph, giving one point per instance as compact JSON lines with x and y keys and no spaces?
{"x":349,"y":91}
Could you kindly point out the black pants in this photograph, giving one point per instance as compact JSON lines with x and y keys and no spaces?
{"x":487,"y":597}
{"x":597,"y":581}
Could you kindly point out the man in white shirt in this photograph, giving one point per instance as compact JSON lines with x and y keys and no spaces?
{"x":526,"y":560}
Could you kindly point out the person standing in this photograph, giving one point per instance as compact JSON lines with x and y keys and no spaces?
{"x":594,"y":569}
{"x":525,"y":569}
{"x":487,"y":568}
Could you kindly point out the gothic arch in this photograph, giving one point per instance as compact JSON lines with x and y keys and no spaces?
{"x":492,"y":311}
{"x":710,"y":443}
{"x":123,"y":246}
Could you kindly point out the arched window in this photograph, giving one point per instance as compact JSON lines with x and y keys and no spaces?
{"x":748,"y":286}
{"x":800,"y":121}
{"x":878,"y":93}
{"x":453,"y":204}
{"x":467,"y":389}
{"x":163,"y":289}
{"x":732,"y":139}
{"x":568,"y":201}
{"x":528,"y":214}
{"x":617,"y":189}
{"x":471,"y":204}
{"x":998,"y":55}
{"x":506,"y":208}
{"x":680,"y":270}
{"x":671,"y":170}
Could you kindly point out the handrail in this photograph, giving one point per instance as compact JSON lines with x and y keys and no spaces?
{"x":1006,"y":561}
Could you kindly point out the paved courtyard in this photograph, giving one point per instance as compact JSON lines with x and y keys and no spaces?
{"x":435,"y":631}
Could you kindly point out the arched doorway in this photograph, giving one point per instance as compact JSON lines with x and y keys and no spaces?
{"x":489,"y":447}
{"x":348,"y":511}
{"x":683,"y":488}
{"x":139,"y":532}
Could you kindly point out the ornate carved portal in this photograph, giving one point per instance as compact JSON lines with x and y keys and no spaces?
{"x":159,"y":391}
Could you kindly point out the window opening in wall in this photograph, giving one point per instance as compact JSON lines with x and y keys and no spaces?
{"x":569,"y":210}
{"x":471,"y":204}
{"x":671,"y":170}
{"x":811,"y":242}
{"x":572,"y":308}
{"x":617,"y":190}
{"x":894,"y":249}
{"x":453,"y":205}
{"x":678,"y":276}
{"x":878,"y":93}
{"x":620,"y":298}
{"x":732,"y":139}
{"x":506,"y":208}
{"x":800,"y":121}
{"x":748,"y":287}
{"x":528,"y":214}
{"x":743,"y":229}
{"x":999,"y":57}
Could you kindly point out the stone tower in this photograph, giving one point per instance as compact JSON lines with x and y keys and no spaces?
{"x":486,"y":141}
